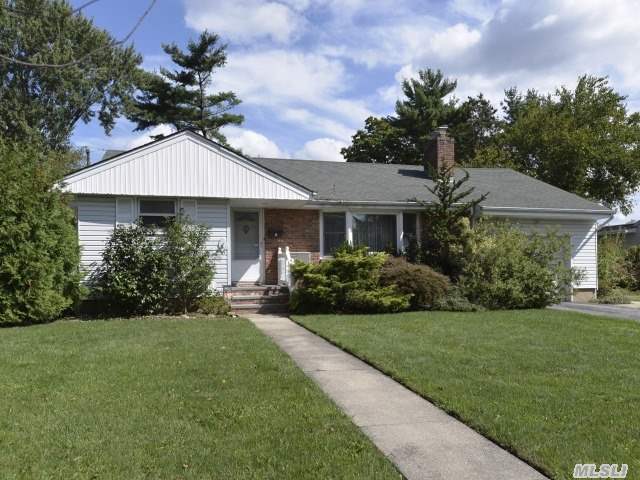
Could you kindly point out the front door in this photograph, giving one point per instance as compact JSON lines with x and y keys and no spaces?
{"x":245,"y":259}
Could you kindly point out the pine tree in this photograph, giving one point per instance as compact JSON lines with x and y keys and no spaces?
{"x":446,"y":228}
{"x":181,"y":97}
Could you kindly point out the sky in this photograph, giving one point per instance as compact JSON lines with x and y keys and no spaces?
{"x":309,"y":72}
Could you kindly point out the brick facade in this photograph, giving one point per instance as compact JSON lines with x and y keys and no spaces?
{"x":440,"y":151}
{"x":297,"y":229}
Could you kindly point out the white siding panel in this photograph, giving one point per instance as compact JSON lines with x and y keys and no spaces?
{"x":584,"y":244}
{"x":214,"y":216}
{"x":183,"y":166}
{"x":96,"y":221}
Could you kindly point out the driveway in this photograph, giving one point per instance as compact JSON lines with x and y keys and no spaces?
{"x":629,"y":312}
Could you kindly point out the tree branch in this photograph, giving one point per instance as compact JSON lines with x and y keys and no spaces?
{"x":86,"y":56}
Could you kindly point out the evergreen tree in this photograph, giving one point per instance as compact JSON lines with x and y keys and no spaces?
{"x":181,"y":97}
{"x":426,"y":105}
{"x":446,"y":228}
{"x":39,"y":252}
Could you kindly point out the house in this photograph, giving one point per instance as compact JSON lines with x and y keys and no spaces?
{"x":628,"y":232}
{"x":266,"y":211}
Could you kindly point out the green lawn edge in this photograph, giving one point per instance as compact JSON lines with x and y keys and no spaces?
{"x":168,"y":397}
{"x":460,"y":339}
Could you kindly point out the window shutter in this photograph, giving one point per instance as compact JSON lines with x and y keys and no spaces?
{"x":188,"y":208}
{"x":125,"y":214}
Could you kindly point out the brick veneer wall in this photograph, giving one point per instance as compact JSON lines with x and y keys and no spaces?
{"x":439,"y":152}
{"x":298,"y":229}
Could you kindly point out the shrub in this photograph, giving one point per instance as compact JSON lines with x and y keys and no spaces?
{"x":613,"y":266}
{"x":39,"y":252}
{"x":144,"y":271}
{"x":633,"y":267}
{"x":349,"y":283}
{"x":425,"y":286}
{"x":378,"y":300}
{"x":188,"y":263}
{"x":510,"y":269}
{"x":615,"y":296}
{"x":455,"y":301}
{"x":132,"y":278}
{"x":213,"y":304}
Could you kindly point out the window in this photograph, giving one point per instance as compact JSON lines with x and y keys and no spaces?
{"x":156,"y":213}
{"x":409,"y":228}
{"x":334,"y":231}
{"x":378,"y":232}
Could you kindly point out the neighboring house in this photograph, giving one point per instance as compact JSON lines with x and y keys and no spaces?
{"x":265,"y":211}
{"x":629,"y":232}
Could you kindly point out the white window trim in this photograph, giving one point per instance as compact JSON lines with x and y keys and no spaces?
{"x":156,"y":199}
{"x":349,"y":225}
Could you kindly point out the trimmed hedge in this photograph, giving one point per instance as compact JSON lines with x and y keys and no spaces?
{"x":349,"y":283}
{"x":426,"y":286}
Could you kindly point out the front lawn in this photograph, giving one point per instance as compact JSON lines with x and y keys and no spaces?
{"x":557,"y":388}
{"x":167,"y":398}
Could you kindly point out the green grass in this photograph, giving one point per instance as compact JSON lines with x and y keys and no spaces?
{"x":557,"y":388}
{"x":167,"y":398}
{"x":634,"y":296}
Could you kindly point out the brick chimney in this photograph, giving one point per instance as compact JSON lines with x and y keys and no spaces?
{"x":440,"y":151}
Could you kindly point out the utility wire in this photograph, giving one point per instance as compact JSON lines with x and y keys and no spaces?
{"x":86,"y":4}
{"x":29,"y":13}
{"x":93,"y":52}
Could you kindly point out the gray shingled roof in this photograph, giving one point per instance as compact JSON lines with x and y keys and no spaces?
{"x":111,"y":153}
{"x":367,"y":182}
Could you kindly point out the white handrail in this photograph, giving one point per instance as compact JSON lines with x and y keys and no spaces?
{"x":284,"y":267}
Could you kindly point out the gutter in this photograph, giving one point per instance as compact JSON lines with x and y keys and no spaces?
{"x":362,"y":202}
{"x":606,"y":212}
{"x":487,"y":209}
{"x":604,"y":224}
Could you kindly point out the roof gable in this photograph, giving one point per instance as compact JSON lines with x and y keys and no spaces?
{"x":184,"y":164}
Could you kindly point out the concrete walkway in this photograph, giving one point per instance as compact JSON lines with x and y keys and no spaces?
{"x":420,"y":439}
{"x":628,"y":312}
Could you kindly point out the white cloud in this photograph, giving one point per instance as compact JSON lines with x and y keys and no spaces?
{"x":306,"y":120}
{"x":393,"y":92}
{"x":322,"y":149}
{"x":145,"y":137}
{"x":545,"y":22}
{"x":476,"y":9}
{"x":252,"y":143}
{"x":245,"y":21}
{"x":268,"y":76}
{"x":306,"y":89}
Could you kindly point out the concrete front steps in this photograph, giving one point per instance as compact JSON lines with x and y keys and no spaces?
{"x":258,"y":298}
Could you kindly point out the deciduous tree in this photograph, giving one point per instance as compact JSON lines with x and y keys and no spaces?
{"x":48,"y":102}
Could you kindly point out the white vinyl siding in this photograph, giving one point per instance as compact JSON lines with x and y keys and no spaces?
{"x":215,"y":216}
{"x":584,"y":244}
{"x":97,"y":220}
{"x":183,"y":166}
